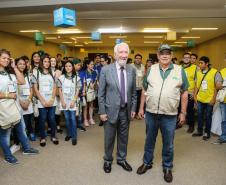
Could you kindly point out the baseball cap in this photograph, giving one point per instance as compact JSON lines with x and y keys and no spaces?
{"x":164,"y":47}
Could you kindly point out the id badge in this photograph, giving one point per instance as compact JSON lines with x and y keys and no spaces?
{"x":46,"y":88}
{"x":139,"y":73}
{"x":11,"y":88}
{"x":204,"y":85}
{"x":224,"y":82}
{"x":67,"y":90}
{"x":26,"y":92}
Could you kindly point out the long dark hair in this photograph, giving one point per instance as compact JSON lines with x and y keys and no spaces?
{"x":32,"y":60}
{"x":25,"y":72}
{"x":8,"y":68}
{"x":41,"y":67}
{"x":64,"y":72}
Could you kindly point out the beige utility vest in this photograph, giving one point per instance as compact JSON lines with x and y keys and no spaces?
{"x":163,"y":96}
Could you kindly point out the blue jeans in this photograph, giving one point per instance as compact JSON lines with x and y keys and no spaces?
{"x":167,"y":125}
{"x":71,"y":123}
{"x":207,"y":110}
{"x":43,"y":114}
{"x":223,"y":123}
{"x":5,"y":139}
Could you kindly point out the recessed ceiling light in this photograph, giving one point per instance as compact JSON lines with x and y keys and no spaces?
{"x":86,"y":43}
{"x":68,"y":31}
{"x":204,"y":28}
{"x":153,"y":37}
{"x":51,"y":38}
{"x":111,"y":30}
{"x":95,"y":42}
{"x":191,"y":37}
{"x":151,"y":42}
{"x":118,"y":37}
{"x":180,"y":42}
{"x":73,"y":38}
{"x":29,"y":31}
{"x":83,"y":37}
{"x":78,"y":45}
{"x":156,"y":30}
{"x":67,"y":42}
{"x":176,"y":45}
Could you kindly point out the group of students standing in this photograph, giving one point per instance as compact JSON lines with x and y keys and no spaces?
{"x":43,"y":87}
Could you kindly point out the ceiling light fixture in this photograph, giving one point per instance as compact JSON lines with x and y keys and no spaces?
{"x":191,"y":37}
{"x":67,"y":42}
{"x":153,"y":37}
{"x":50,"y":38}
{"x":68,"y":31}
{"x":29,"y":31}
{"x":83,"y":37}
{"x":151,"y":42}
{"x":176,"y":45}
{"x":204,"y":28}
{"x":111,"y":30}
{"x":156,"y":30}
{"x":95,"y":42}
{"x":118,"y":37}
{"x":78,"y":45}
{"x":180,"y":42}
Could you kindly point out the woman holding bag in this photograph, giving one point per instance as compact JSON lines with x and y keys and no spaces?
{"x":45,"y":90}
{"x":89,"y":80}
{"x":8,"y":90}
{"x":69,"y":85}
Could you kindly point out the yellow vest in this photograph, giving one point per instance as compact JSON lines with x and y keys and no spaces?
{"x":190,"y":73}
{"x":223,"y":74}
{"x":206,"y":89}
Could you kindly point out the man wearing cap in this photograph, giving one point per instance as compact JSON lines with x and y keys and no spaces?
{"x":163,"y":86}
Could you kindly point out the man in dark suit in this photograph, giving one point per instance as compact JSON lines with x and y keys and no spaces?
{"x":117,"y":105}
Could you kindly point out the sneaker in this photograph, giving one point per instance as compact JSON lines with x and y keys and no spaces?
{"x":82,"y":128}
{"x":219,"y":142}
{"x":92,"y":122}
{"x":14,"y":148}
{"x":32,"y":137}
{"x":31,"y":151}
{"x":11,"y":160}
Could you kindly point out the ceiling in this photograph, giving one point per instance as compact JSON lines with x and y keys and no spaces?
{"x":133,"y":16}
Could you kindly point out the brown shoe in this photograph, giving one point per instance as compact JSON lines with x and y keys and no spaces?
{"x":168,"y":177}
{"x":143,"y":168}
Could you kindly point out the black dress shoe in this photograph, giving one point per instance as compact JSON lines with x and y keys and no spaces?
{"x":55,"y":141}
{"x":67,"y":138}
{"x":168,"y":177}
{"x":143,"y":168}
{"x":125,"y":165}
{"x":107,"y":167}
{"x":197,"y":134}
{"x":190,"y":130}
{"x":74,"y":141}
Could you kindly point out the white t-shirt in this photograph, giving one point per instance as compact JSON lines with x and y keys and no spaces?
{"x":9,"y":85}
{"x":69,"y":88}
{"x":45,"y":86}
{"x":24,"y":94}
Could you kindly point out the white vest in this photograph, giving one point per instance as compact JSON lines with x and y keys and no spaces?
{"x":163,"y":97}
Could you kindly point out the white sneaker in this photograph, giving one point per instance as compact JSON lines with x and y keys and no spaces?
{"x":14,"y":148}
